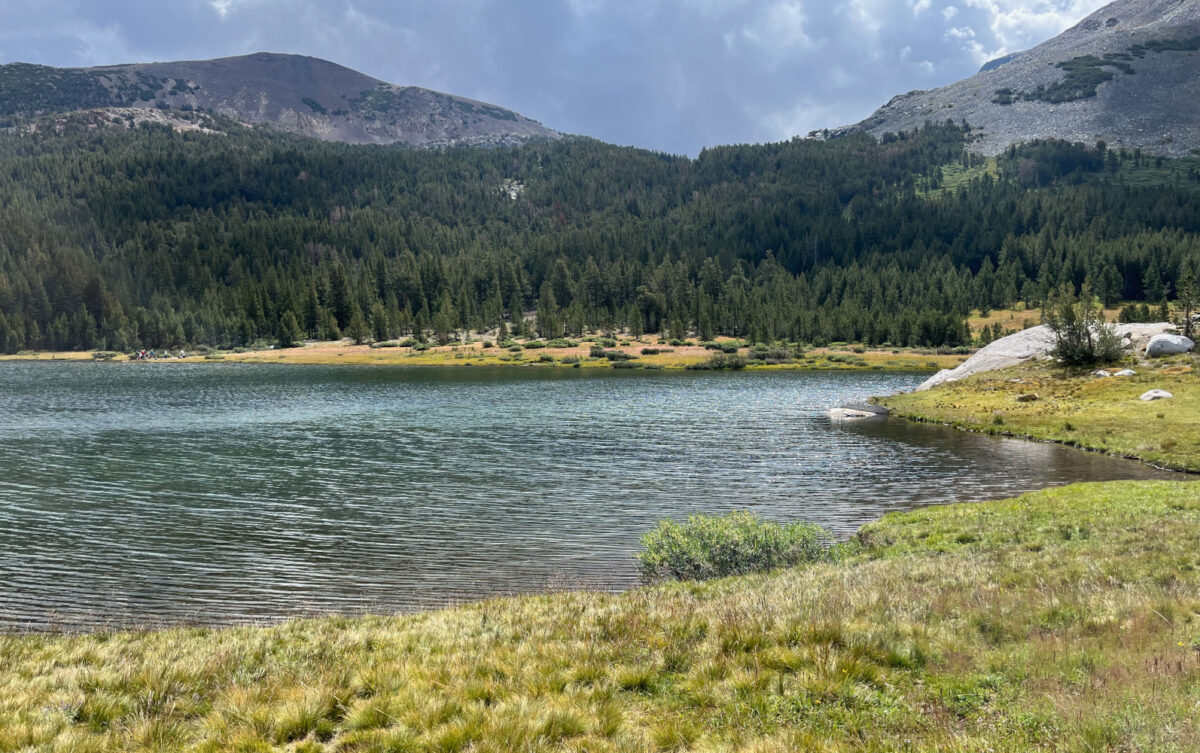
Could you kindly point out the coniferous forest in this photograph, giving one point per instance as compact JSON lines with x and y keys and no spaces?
{"x":151,"y":238}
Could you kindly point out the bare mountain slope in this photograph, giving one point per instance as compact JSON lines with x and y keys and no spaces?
{"x":1129,"y":74}
{"x":298,"y":94}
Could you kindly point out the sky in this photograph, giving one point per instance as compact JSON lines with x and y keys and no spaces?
{"x":670,"y":75}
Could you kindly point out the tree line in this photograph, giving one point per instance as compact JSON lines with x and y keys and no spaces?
{"x":147,"y":237}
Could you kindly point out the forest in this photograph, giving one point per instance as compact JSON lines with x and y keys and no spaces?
{"x":149,"y":237}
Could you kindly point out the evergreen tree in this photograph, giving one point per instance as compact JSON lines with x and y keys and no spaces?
{"x":289,"y":334}
{"x":357,"y":329}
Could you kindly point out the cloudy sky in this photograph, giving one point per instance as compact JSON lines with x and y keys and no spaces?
{"x":674,"y":75}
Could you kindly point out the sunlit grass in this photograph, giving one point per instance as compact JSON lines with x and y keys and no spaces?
{"x":1076,"y":408}
{"x":1066,"y":620}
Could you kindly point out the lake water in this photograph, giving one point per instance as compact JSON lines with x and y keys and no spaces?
{"x":220,"y":493}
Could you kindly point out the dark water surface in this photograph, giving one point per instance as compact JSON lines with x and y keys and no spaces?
{"x":220,"y":493}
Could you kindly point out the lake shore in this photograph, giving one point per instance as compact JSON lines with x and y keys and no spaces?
{"x":646,"y":353}
{"x":1055,"y":619}
{"x":1046,"y":402}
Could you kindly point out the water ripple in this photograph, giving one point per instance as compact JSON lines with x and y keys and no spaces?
{"x":166,"y":493}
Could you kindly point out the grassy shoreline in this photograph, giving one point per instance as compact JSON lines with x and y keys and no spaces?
{"x":1044,"y":402}
{"x":847,"y":358}
{"x":1065,"y":620}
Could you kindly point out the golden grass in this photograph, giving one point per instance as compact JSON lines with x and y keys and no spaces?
{"x":1075,"y":408}
{"x":679,"y":357}
{"x":1017,"y":319}
{"x":473,"y":354}
{"x":1066,"y":620}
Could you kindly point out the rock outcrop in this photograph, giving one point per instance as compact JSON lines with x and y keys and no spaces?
{"x":1033,"y":344}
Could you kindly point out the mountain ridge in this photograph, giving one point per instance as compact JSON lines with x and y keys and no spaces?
{"x":294,"y":93}
{"x":1127,"y":75}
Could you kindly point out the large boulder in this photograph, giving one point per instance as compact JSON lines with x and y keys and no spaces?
{"x":1169,"y":345}
{"x":1032,"y":344}
{"x":1153,"y":395}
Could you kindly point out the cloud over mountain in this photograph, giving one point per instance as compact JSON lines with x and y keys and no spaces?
{"x":669,"y":74}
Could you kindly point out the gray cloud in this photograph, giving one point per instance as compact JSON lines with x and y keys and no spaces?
{"x":674,"y":75}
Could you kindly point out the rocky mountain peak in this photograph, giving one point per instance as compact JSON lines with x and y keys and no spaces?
{"x":294,"y":93}
{"x":1129,"y":74}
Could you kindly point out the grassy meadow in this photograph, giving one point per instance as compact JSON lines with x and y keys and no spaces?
{"x":1064,"y":620}
{"x":1076,"y":408}
{"x":648,"y":352}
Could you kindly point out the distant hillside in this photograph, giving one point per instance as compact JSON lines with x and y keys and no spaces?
{"x":1129,"y":75}
{"x":301,"y":95}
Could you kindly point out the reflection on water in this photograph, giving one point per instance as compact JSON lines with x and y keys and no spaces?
{"x":134,"y":493}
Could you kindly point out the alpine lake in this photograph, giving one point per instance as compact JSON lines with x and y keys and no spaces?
{"x":145,"y":494}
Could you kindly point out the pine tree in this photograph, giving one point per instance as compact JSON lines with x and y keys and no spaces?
{"x":1187,"y":293}
{"x":379,"y":322}
{"x":357,"y":330}
{"x":289,"y":333}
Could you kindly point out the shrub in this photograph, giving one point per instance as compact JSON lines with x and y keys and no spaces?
{"x":626,"y":365}
{"x":716,"y":546}
{"x":546,"y":358}
{"x":1080,"y":335}
{"x":534,"y":345}
{"x":596,"y":351}
{"x":720,"y":362}
{"x":655,"y":351}
{"x":560,"y":342}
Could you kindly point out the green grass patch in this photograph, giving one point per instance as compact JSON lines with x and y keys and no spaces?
{"x":1075,"y":408}
{"x":1065,"y":620}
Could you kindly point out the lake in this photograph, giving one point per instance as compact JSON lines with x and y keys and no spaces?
{"x":144,"y":494}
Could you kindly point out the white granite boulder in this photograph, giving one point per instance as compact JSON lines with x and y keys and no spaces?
{"x":1169,"y":345}
{"x":1032,"y":344}
{"x":1126,"y":373}
{"x":1153,"y":395}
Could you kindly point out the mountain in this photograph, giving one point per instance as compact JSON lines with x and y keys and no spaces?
{"x":1129,"y":75}
{"x":298,"y":94}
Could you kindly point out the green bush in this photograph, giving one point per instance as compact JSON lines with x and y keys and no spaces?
{"x":534,"y":345}
{"x":716,"y":546}
{"x":719,"y":362}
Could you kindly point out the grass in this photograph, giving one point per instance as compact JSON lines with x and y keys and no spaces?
{"x":1075,"y":408}
{"x":344,"y":353}
{"x":1065,"y":620}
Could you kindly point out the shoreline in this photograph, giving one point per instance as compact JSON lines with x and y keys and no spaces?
{"x":949,"y":623}
{"x":1042,"y":402}
{"x":536,"y":354}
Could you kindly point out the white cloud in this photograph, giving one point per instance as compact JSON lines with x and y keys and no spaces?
{"x":222,"y":7}
{"x":780,"y":27}
{"x":920,"y":6}
{"x":949,"y":12}
{"x":1019,"y":24}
